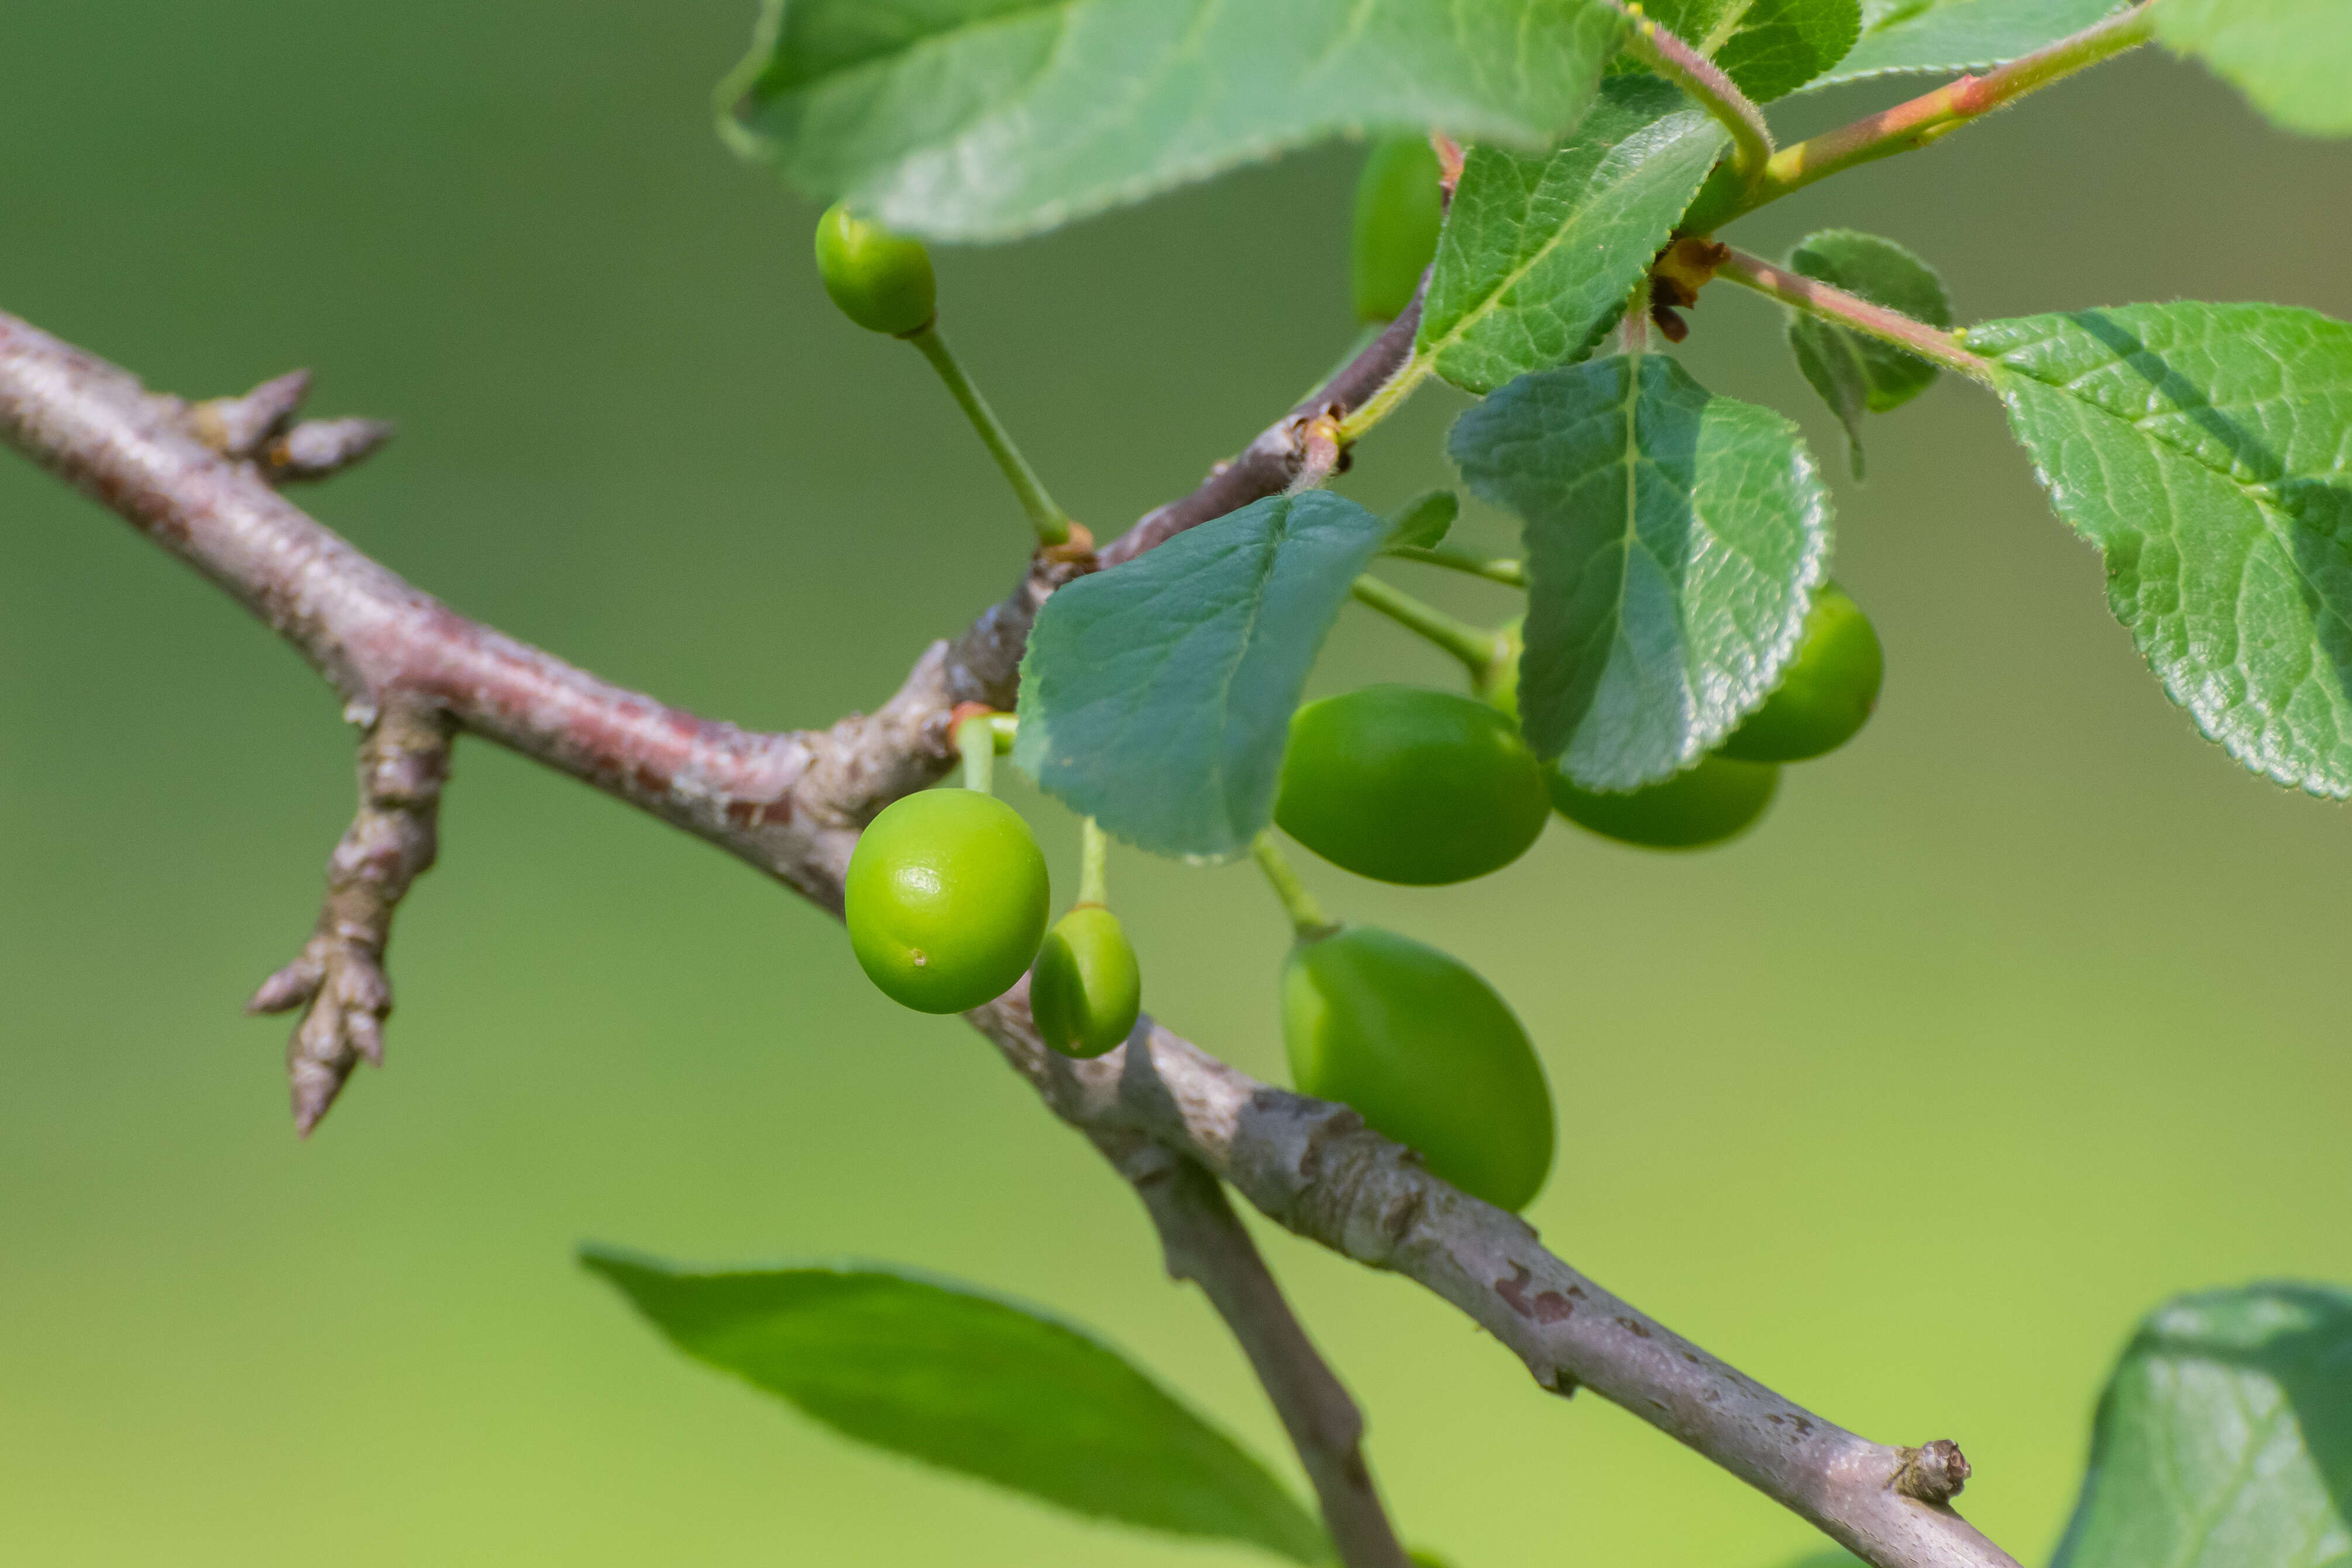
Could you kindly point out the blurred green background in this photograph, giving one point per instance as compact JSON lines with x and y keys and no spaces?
{"x":2022,"y":1013}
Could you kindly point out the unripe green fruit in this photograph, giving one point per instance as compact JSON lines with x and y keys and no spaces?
{"x":1399,"y":210}
{"x":1405,"y":785}
{"x":1715,"y":801}
{"x":1086,"y":991}
{"x":946,"y":899}
{"x":881,"y":281}
{"x":1828,"y":692}
{"x":1424,"y":1051}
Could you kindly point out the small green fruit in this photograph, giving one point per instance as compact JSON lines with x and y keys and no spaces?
{"x":1403,"y":784}
{"x":1711,"y":804}
{"x":1086,"y":991}
{"x":1399,"y":210}
{"x":1424,"y":1051}
{"x":1827,"y":694}
{"x":881,"y":281}
{"x":946,"y":899}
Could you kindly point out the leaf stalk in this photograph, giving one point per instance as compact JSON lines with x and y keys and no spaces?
{"x":1670,"y":56}
{"x":1479,"y":650}
{"x":1933,"y":344}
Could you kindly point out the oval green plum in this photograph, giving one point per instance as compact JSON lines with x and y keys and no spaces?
{"x":1711,"y":804}
{"x":1405,"y":785}
{"x":1427,"y":1052}
{"x":1086,"y":991}
{"x":946,"y":899}
{"x":1828,"y":693}
{"x":881,"y":281}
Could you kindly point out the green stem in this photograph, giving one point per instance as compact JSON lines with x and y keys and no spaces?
{"x":1751,"y":138}
{"x":1933,"y":344}
{"x":1510,"y":574}
{"x":1476,"y":648}
{"x":1094,"y":849}
{"x":1052,"y":523}
{"x":976,"y":741}
{"x":1005,"y":727}
{"x":1929,"y":118}
{"x":1307,"y":916}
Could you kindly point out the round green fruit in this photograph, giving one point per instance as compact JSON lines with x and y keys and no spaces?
{"x":1426,"y":1052}
{"x":1086,"y":991}
{"x":1714,"y":801}
{"x":1403,"y":784}
{"x":1399,"y":210}
{"x":881,"y":281}
{"x":1827,"y":694}
{"x":946,"y":899}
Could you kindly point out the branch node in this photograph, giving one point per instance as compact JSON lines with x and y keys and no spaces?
{"x":237,"y":427}
{"x":339,"y":977}
{"x":1932,"y":1474}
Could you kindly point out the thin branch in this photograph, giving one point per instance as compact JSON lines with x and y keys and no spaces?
{"x":339,"y":978}
{"x":792,"y":804}
{"x":1929,"y":118}
{"x":1670,"y":56}
{"x":1204,"y":1241}
{"x":1931,"y":343}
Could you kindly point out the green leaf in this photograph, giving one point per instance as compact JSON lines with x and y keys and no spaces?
{"x":1674,"y":541}
{"x":980,"y":119}
{"x":2224,"y":1438}
{"x":1769,"y":47}
{"x":1853,"y":372}
{"x":943,"y":1373}
{"x":1957,"y":35}
{"x":1539,"y":253}
{"x":2204,"y":450}
{"x":2292,"y":57}
{"x":1422,"y":521}
{"x":1156,"y":697}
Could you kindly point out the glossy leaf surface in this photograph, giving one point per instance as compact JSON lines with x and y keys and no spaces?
{"x":1673,"y":541}
{"x":979,"y":120}
{"x":1156,"y":697}
{"x":945,"y":1374}
{"x":2224,"y":1438}
{"x":1541,"y":253}
{"x":2207,"y":452}
{"x":2292,"y":57}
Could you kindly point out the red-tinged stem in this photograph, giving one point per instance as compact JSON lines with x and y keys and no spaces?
{"x":1933,"y":344}
{"x":1911,"y":125}
{"x":1670,"y":56}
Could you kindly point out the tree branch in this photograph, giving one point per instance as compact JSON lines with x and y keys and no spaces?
{"x":403,"y":762}
{"x":1205,"y":1242}
{"x":792,"y":804}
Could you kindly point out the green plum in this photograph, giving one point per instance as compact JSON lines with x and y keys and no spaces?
{"x":1405,"y":785}
{"x":881,"y":281}
{"x":1827,"y":693}
{"x":1087,"y":991}
{"x":1399,"y":210}
{"x":946,"y":899}
{"x":1426,"y":1052}
{"x":1711,"y":804}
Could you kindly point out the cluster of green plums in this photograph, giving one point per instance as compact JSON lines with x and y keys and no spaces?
{"x":947,"y":900}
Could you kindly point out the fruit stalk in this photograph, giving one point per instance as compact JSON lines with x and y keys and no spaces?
{"x":976,"y":741}
{"x":1476,"y":648}
{"x":1046,"y":514}
{"x":1094,"y":849}
{"x":1307,"y":916}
